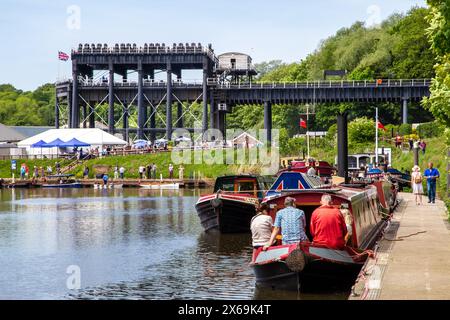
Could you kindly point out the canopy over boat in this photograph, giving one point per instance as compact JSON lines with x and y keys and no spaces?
{"x":292,"y":180}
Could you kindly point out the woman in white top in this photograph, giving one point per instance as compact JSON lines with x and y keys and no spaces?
{"x":416,"y":183}
{"x":261,"y":227}
{"x":348,"y":223}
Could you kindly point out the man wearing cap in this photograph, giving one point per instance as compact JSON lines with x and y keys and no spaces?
{"x":292,"y":223}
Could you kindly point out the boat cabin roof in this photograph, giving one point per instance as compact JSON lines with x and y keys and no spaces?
{"x":228,"y":182}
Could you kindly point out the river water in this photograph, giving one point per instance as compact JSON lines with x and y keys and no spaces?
{"x":121,"y":244}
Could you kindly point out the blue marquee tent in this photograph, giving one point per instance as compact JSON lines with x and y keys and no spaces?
{"x":74,"y":143}
{"x":40,"y":144}
{"x":55,"y":143}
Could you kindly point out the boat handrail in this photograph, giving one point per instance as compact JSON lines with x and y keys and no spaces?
{"x":245,"y":191}
{"x":334,"y":190}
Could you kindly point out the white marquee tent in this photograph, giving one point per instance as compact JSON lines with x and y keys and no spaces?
{"x":94,"y":137}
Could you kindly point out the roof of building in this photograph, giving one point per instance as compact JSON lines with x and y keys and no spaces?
{"x":232,"y":53}
{"x":90,"y":136}
{"x":29,"y":131}
{"x":8,"y":134}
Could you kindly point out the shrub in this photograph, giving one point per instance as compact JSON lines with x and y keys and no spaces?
{"x":405,"y":129}
{"x":429,"y":130}
{"x":361,"y":130}
{"x":410,"y":136}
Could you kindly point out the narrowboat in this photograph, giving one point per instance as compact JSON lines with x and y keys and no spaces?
{"x":286,"y":267}
{"x":231,"y":206}
{"x":64,"y":181}
{"x":162,"y":186}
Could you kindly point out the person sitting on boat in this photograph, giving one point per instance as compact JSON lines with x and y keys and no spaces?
{"x":311,"y":171}
{"x":348,"y":222}
{"x":292,"y":223}
{"x":261,"y":226}
{"x":328,"y":226}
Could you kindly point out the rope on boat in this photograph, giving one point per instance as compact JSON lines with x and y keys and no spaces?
{"x":401,"y":238}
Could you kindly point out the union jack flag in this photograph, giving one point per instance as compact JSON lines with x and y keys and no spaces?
{"x":63,"y":56}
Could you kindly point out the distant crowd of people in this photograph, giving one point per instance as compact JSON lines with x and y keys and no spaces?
{"x":145,"y":172}
{"x":412,"y":144}
{"x":38,"y":172}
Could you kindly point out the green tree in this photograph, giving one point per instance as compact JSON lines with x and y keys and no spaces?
{"x":439,"y":36}
{"x":361,"y":130}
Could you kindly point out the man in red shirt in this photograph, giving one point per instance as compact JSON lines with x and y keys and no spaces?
{"x":328,"y":227}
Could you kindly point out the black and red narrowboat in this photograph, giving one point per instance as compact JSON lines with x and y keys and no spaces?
{"x":232,"y":205}
{"x":288,"y":266}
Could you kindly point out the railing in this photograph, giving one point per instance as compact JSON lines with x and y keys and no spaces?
{"x":133,"y":83}
{"x":144,"y":50}
{"x":323,"y":84}
{"x":264,"y":85}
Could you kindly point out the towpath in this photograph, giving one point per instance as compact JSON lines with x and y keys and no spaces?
{"x":413,"y":258}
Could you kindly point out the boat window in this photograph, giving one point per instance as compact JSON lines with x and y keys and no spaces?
{"x":227,"y":187}
{"x":224,"y":184}
{"x":245,"y":186}
{"x":352,"y":162}
{"x":364,"y":161}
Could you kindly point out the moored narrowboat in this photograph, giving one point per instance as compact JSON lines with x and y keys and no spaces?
{"x":230,"y":208}
{"x":287,"y":266}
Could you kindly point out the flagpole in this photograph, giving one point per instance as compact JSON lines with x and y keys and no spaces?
{"x":307,"y":125}
{"x":376,"y":136}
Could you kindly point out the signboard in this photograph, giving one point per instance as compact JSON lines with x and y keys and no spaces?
{"x":13,"y":164}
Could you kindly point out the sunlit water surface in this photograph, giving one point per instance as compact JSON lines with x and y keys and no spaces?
{"x":127,"y":244}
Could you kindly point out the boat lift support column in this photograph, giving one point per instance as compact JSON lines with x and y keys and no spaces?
{"x":140,"y":99}
{"x":212,"y":110}
{"x":342,"y":137}
{"x":169,"y":103}
{"x":205,"y":97}
{"x":405,"y":110}
{"x":56,"y":111}
{"x":268,"y":121}
{"x":111,"y":99}
{"x":75,"y":123}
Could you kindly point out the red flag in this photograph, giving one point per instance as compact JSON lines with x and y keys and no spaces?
{"x":303,"y":123}
{"x":380,"y":126}
{"x":63,"y":56}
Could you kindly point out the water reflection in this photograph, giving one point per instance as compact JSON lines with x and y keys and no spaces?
{"x":129,"y":244}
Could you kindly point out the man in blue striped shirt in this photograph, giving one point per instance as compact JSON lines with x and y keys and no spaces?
{"x":292,"y":223}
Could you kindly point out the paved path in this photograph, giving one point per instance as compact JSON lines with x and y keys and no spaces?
{"x":413,"y":260}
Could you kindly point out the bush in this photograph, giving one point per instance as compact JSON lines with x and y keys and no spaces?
{"x":429,"y":130}
{"x":361,"y":130}
{"x":391,"y":131}
{"x":410,"y":136}
{"x":405,"y":129}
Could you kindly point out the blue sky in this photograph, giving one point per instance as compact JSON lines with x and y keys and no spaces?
{"x":32,"y":32}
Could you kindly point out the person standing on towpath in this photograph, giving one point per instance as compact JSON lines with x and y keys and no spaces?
{"x":432,"y":174}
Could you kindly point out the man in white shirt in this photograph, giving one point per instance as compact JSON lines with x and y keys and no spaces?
{"x":311,"y":171}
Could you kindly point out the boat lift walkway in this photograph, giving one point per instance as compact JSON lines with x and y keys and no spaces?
{"x":413,"y":258}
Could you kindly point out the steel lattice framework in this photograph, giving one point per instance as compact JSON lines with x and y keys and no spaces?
{"x":82,"y":101}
